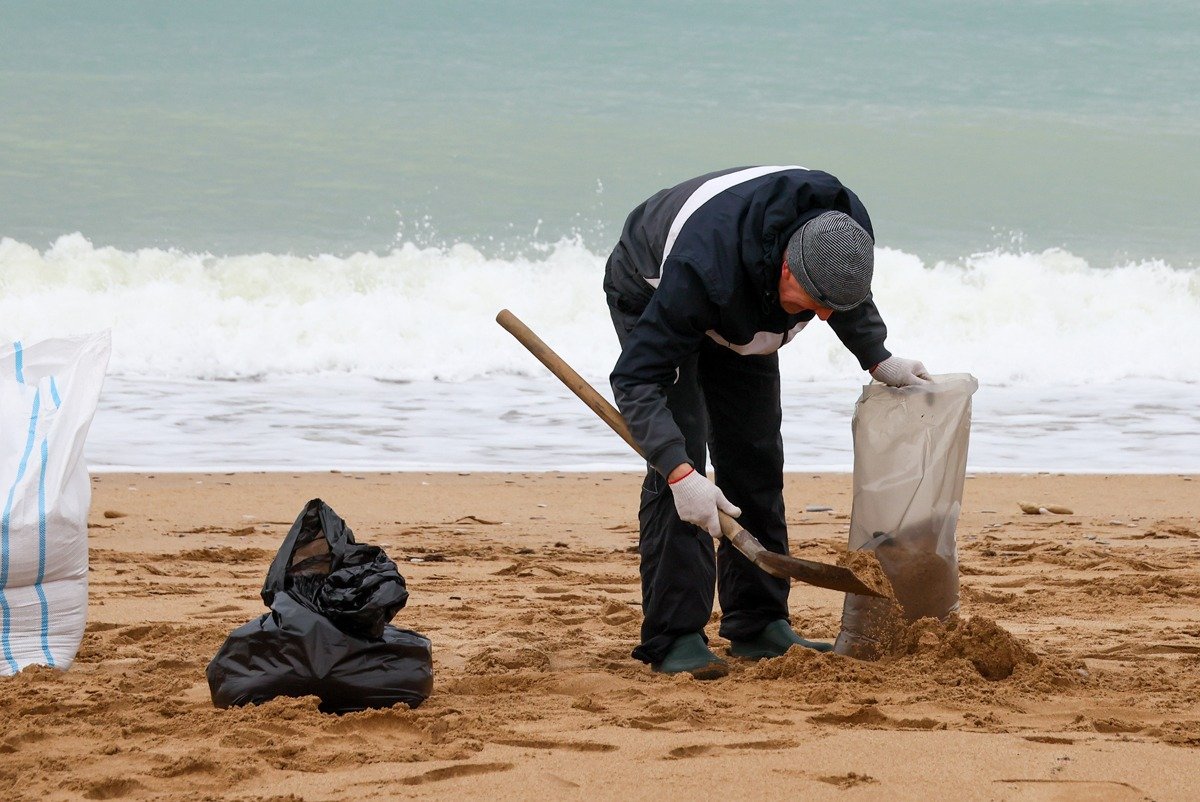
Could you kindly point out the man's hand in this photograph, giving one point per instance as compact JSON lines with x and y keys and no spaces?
{"x":697,"y":500}
{"x":898,"y":372}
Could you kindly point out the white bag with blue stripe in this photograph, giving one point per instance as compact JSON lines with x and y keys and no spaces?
{"x":48,"y":395}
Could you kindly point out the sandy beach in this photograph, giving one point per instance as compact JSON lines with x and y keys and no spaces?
{"x":287,"y":230}
{"x":527,"y":585}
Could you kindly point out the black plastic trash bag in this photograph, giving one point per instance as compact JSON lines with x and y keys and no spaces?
{"x":327,"y":634}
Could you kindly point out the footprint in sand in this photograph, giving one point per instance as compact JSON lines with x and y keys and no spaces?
{"x":139,"y":633}
{"x":1049,"y":739}
{"x":454,"y":772}
{"x":112,"y":788}
{"x":570,"y":746}
{"x":872,"y":717}
{"x":14,"y":741}
{"x":765,"y":746}
{"x":615,"y":613}
{"x":188,"y":764}
{"x":700,"y":750}
{"x":1070,"y":789}
{"x":1116,"y":725}
{"x":493,"y":659}
{"x":226,"y":555}
{"x":692,"y":751}
{"x":848,"y":780}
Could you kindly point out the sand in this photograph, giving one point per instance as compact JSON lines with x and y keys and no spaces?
{"x":1073,"y":671}
{"x":913,"y":586}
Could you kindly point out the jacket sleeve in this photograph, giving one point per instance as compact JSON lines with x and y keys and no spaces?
{"x":672,"y":327}
{"x":862,"y":331}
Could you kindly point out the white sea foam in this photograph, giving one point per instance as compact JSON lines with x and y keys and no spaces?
{"x":1032,"y":319}
{"x":1081,"y":368}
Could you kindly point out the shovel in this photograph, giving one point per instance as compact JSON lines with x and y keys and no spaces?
{"x":833,"y":577}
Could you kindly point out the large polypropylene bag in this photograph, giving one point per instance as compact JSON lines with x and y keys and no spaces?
{"x":327,"y":634}
{"x":910,"y":462}
{"x":48,"y":396}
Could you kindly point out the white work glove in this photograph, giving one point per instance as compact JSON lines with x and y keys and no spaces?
{"x":898,"y":372}
{"x":697,"y":501}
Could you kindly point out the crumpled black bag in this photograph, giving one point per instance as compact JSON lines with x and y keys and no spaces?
{"x":327,"y":634}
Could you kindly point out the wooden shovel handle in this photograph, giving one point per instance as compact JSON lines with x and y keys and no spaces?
{"x":567,"y":375}
{"x":599,"y":404}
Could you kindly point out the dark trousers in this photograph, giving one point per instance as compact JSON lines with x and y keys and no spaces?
{"x":730,"y":404}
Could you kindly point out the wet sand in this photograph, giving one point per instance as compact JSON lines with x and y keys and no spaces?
{"x":527,"y":584}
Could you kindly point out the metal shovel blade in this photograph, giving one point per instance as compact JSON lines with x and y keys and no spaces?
{"x":821,"y":575}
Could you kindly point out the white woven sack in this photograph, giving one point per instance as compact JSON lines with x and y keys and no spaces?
{"x":48,"y":395}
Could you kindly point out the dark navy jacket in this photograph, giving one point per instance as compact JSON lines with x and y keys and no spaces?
{"x":702,"y":259}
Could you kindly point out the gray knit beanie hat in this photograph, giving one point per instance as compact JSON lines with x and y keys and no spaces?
{"x":833,"y":258}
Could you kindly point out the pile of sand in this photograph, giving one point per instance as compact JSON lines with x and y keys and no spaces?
{"x":993,"y":651}
{"x":866,"y":567}
{"x":928,"y":653}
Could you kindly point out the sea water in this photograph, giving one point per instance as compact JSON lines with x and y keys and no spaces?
{"x":299,"y":220}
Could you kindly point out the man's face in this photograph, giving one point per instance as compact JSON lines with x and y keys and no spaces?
{"x":793,"y":298}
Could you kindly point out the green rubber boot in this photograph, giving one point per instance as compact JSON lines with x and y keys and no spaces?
{"x":689,"y":653}
{"x":775,"y":639}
